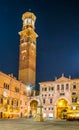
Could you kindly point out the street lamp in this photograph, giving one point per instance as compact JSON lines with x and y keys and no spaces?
{"x":29,"y":90}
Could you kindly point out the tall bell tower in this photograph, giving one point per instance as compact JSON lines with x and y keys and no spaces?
{"x":27,"y":56}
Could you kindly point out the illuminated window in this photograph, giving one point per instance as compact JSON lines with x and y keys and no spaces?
{"x":29,"y":20}
{"x":74,"y":100}
{"x":33,"y":22}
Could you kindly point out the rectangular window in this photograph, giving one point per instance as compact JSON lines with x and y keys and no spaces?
{"x":67,"y":86}
{"x":50,"y":101}
{"x":44,"y":101}
{"x":58,"y":87}
{"x":62,"y":87}
{"x":74,"y":100}
{"x":12,"y":102}
{"x":74,"y":86}
{"x":20,"y":102}
{"x":62,"y":94}
{"x":8,"y":101}
{"x":16,"y":90}
{"x":6,"y":86}
{"x":1,"y":100}
{"x":73,"y":93}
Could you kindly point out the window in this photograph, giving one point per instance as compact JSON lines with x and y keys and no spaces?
{"x":58,"y":87}
{"x":8,"y":101}
{"x":74,"y":86}
{"x":51,"y":88}
{"x":44,"y":101}
{"x":67,"y":86}
{"x":44,"y":108}
{"x":62,"y":94}
{"x":50,"y":101}
{"x":1,"y":100}
{"x":24,"y":58}
{"x":12,"y":102}
{"x":17,"y":103}
{"x":16,"y":90}
{"x":74,"y":100}
{"x":24,"y":93}
{"x":25,"y":103}
{"x":73,"y":108}
{"x":44,"y":89}
{"x":62,"y":87}
{"x":73,"y":93}
{"x":6,"y":86}
{"x":20,"y":102}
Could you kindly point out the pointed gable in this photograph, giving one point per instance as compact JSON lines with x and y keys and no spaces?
{"x":62,"y":79}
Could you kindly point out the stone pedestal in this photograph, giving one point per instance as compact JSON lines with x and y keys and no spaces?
{"x":39,"y":116}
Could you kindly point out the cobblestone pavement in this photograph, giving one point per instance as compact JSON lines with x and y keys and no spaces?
{"x":30,"y":124}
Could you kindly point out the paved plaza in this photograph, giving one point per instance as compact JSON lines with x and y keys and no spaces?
{"x":30,"y":124}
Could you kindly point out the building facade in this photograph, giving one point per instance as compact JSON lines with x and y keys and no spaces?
{"x":27,"y":56}
{"x":59,"y":96}
{"x":13,"y":97}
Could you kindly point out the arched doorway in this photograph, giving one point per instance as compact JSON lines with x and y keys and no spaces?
{"x":62,"y":106}
{"x":33,"y":107}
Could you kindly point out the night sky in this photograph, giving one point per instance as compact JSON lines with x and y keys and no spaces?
{"x":57,"y":25}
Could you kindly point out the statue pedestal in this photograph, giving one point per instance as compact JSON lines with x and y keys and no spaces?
{"x":39,"y":116}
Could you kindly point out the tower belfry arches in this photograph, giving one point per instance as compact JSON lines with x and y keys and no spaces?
{"x":27,"y":55}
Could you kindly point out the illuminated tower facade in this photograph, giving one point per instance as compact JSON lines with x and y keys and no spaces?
{"x":27,"y":56}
